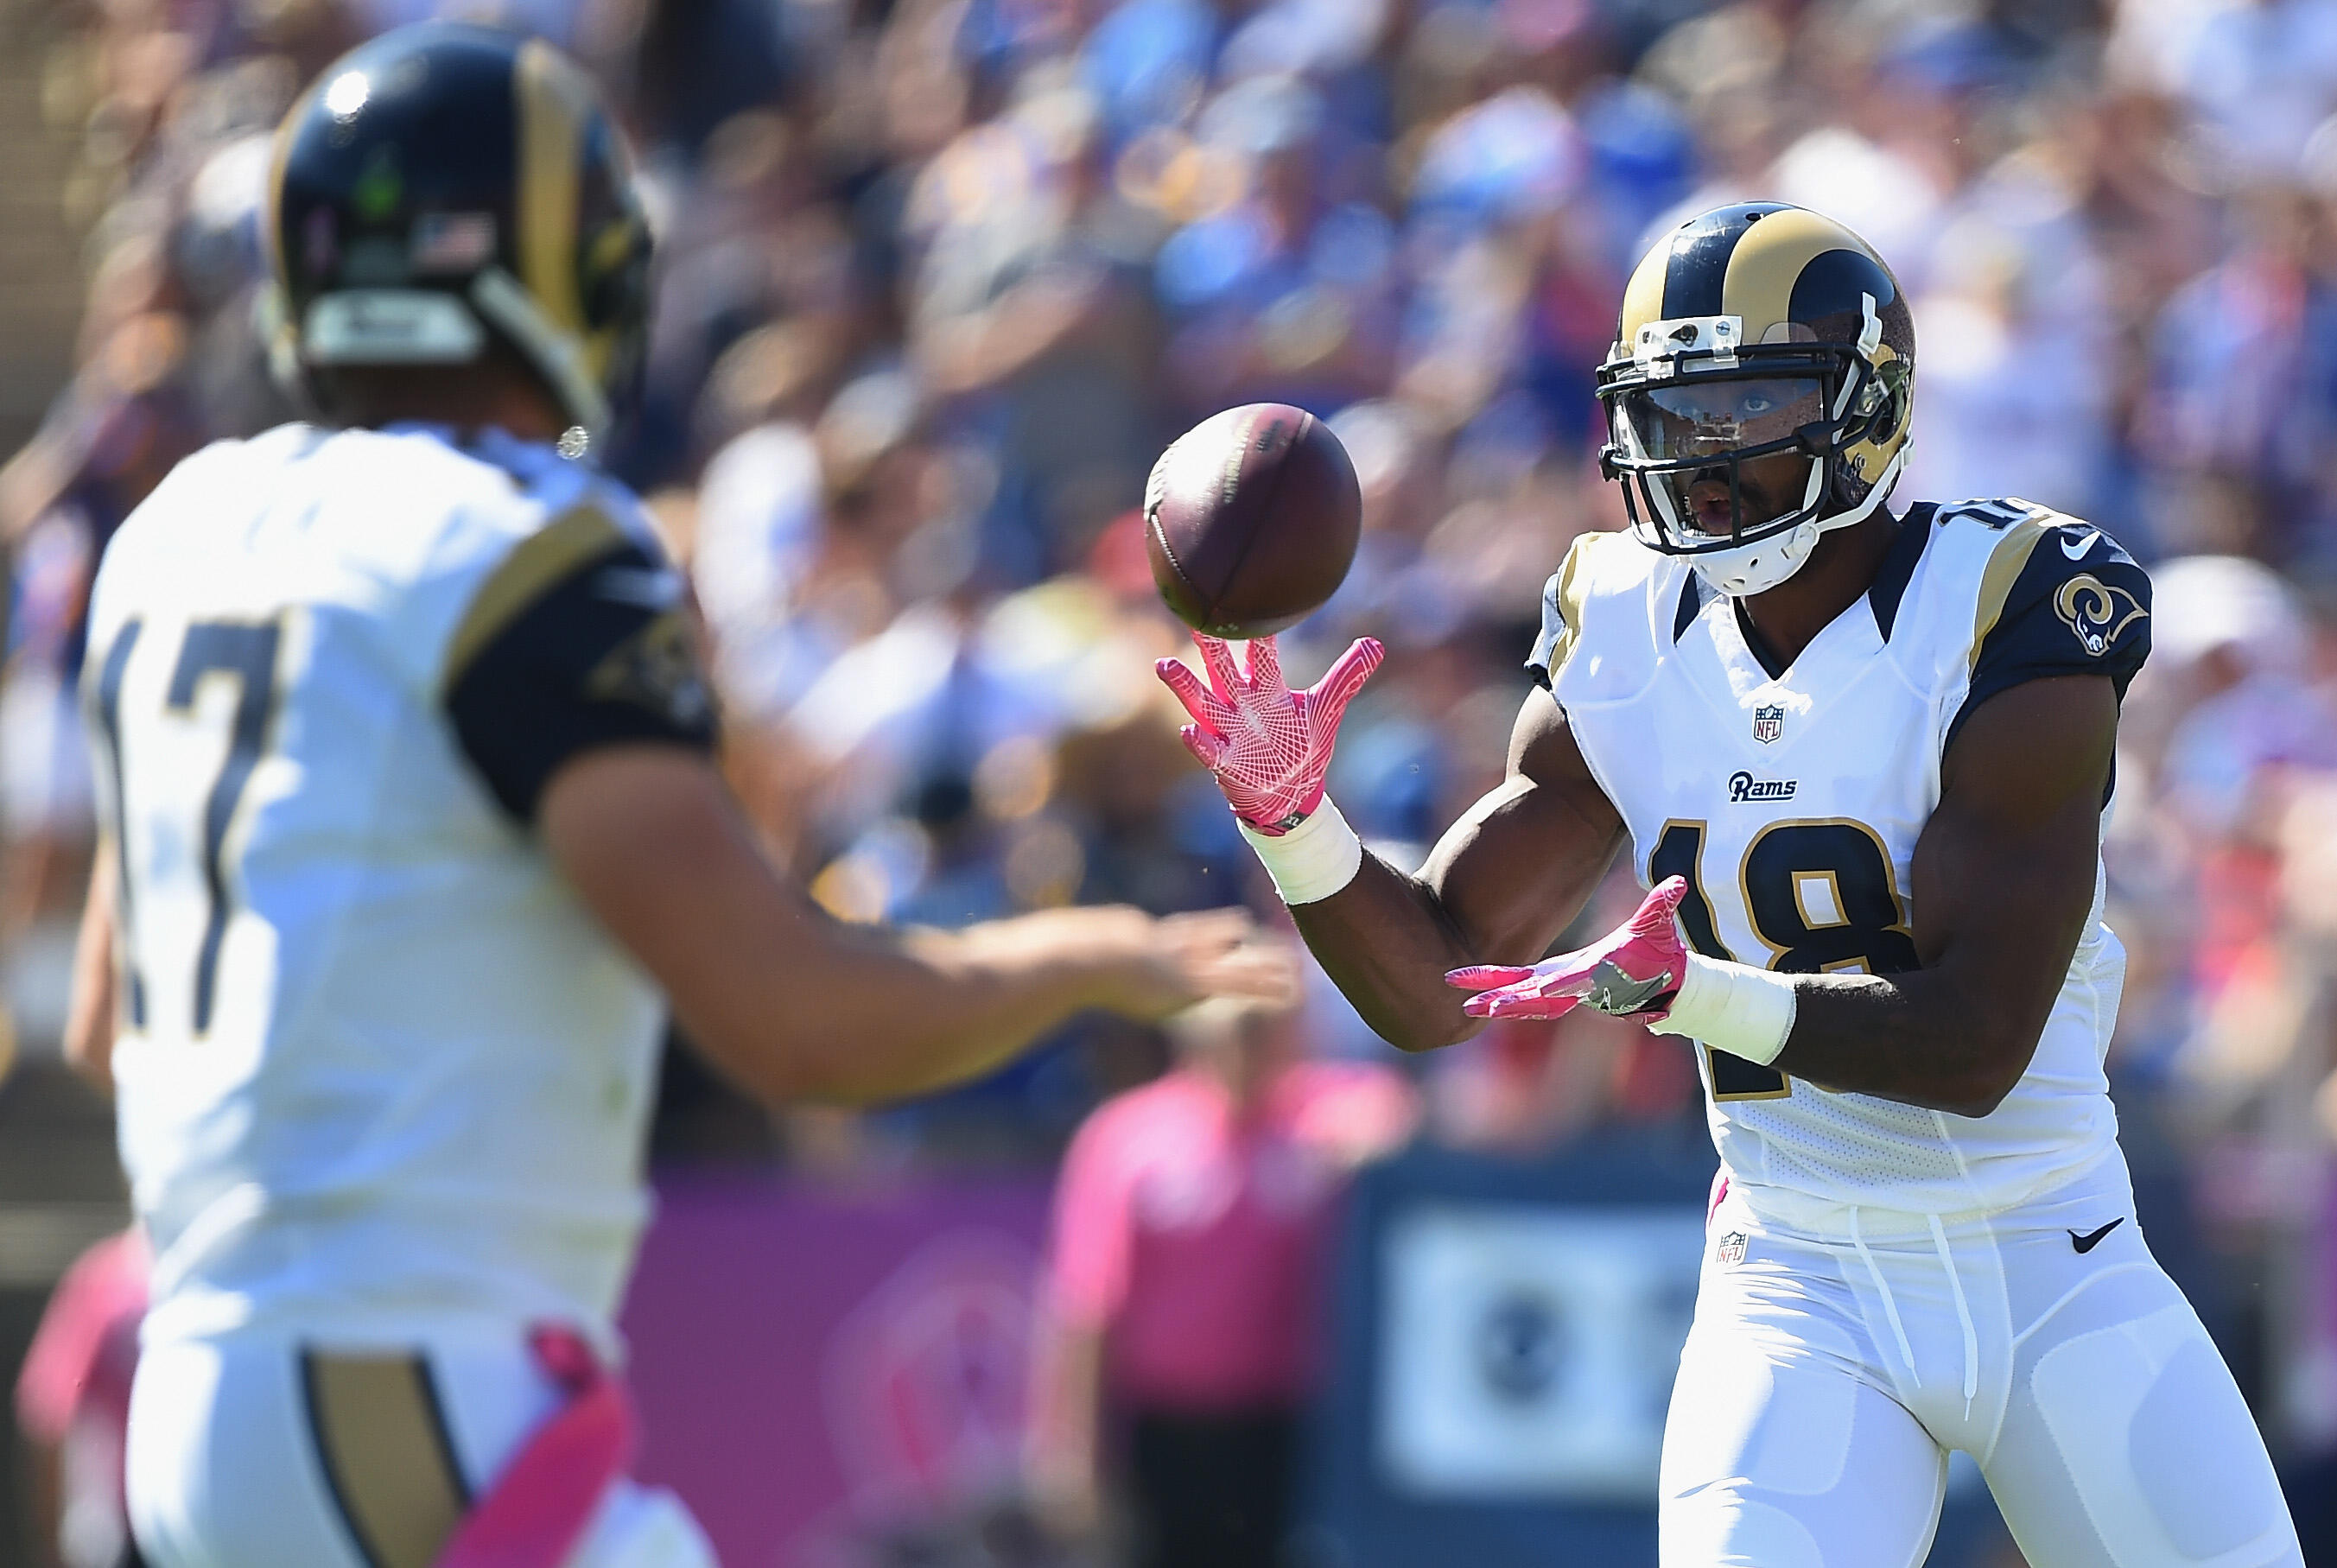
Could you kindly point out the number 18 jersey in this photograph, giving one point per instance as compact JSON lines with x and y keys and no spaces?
{"x":1791,"y":801}
{"x":380,"y":1073}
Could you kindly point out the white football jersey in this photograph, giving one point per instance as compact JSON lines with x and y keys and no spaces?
{"x":380,"y":1073}
{"x":1792,"y":802}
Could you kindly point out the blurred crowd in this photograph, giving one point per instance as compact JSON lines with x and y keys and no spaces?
{"x":939,"y":277}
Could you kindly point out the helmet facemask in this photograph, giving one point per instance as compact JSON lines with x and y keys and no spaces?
{"x":1733,"y":455}
{"x":1721,"y":460}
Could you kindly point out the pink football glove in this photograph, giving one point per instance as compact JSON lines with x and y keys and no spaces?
{"x":1631,"y":972}
{"x":1269,"y":746}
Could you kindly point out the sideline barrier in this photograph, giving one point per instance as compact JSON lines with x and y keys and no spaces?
{"x":814,"y":1362}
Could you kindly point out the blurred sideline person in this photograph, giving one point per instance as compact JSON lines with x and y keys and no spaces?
{"x":72,"y":1405}
{"x":410,"y":814}
{"x":1183,"y":1298}
{"x":1870,"y":753}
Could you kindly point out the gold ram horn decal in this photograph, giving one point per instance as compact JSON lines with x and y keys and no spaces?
{"x":2095,"y":610}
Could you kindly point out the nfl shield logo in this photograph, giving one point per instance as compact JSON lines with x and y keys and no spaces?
{"x":1768,"y":723}
{"x":1731,"y":1249}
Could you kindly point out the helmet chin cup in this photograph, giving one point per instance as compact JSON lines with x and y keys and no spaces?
{"x":1745,"y":570}
{"x":1756,"y":568}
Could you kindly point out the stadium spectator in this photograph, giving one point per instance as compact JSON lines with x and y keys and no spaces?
{"x":1183,"y":1284}
{"x":73,"y":1405}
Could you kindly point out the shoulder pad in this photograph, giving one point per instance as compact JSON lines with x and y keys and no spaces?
{"x":2054,"y":596}
{"x":1598,"y":565}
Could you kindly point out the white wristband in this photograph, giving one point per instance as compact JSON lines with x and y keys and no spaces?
{"x":1733,"y":1007}
{"x":1313,"y":859}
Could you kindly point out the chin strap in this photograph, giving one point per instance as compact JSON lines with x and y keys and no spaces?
{"x":1876,"y":493}
{"x":557,"y":357}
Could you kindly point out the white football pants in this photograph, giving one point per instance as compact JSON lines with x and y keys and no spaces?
{"x":255,"y":1452}
{"x":1835,"y":1361}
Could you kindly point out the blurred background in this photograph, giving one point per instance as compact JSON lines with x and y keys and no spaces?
{"x":938,"y":279}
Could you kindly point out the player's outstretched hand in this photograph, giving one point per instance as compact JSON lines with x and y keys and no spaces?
{"x":1210,"y":953}
{"x":1148,"y":967}
{"x":1268,"y":747}
{"x":1630,"y":972}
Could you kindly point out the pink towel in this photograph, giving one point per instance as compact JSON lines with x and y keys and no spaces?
{"x":536,"y":1511}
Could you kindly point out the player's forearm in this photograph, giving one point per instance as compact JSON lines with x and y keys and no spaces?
{"x":1501,"y":884}
{"x":90,"y":1023}
{"x":2004,"y":878}
{"x":1386,"y":940}
{"x":795,"y":1004}
{"x":998,"y":987}
{"x":897,"y":1013}
{"x":1930,"y":1037}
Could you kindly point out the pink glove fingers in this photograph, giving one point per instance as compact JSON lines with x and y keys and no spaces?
{"x":1485,"y":977}
{"x":1218,"y":656}
{"x":1504,"y":1005}
{"x":1339,"y":685}
{"x":1627,"y":973}
{"x":1657,"y":911}
{"x":1266,"y":666}
{"x":1178,"y":677}
{"x":1205,"y":745}
{"x":1268,"y":748}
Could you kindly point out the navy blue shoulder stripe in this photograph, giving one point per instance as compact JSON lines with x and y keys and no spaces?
{"x":1691,"y":601}
{"x":1899,"y":565}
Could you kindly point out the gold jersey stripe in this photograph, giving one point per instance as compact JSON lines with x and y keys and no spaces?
{"x":2004,"y":567}
{"x":1767,"y":261}
{"x":554,"y":104}
{"x":1570,"y":595}
{"x":382,"y":1438}
{"x":548,"y":556}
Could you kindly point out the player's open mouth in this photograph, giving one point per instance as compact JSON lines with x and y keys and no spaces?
{"x":1709,"y":510}
{"x":1764,"y":491}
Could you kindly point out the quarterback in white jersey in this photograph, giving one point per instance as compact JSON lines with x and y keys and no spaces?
{"x":405,"y":759}
{"x":1861,"y":759}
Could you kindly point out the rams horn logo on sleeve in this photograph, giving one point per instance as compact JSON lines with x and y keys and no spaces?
{"x":2097,"y":611}
{"x":657,"y":669}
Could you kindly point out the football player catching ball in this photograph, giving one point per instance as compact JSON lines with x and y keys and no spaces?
{"x":1861,"y":756}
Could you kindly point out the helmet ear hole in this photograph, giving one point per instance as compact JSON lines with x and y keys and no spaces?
{"x":1893,"y":385}
{"x":1892,"y":414}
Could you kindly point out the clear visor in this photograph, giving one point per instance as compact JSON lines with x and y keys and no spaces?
{"x":1709,"y":418}
{"x":1678,"y":424}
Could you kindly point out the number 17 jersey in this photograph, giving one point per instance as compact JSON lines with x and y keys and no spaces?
{"x":380,"y":1073}
{"x":1791,"y":801}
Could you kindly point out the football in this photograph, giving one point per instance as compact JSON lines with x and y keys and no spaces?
{"x":1251,"y":519}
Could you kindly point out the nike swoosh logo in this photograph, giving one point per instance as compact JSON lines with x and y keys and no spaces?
{"x":2087,"y":1243}
{"x":2084,"y":548}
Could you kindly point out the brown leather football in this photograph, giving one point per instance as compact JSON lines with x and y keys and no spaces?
{"x":1251,"y":519}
